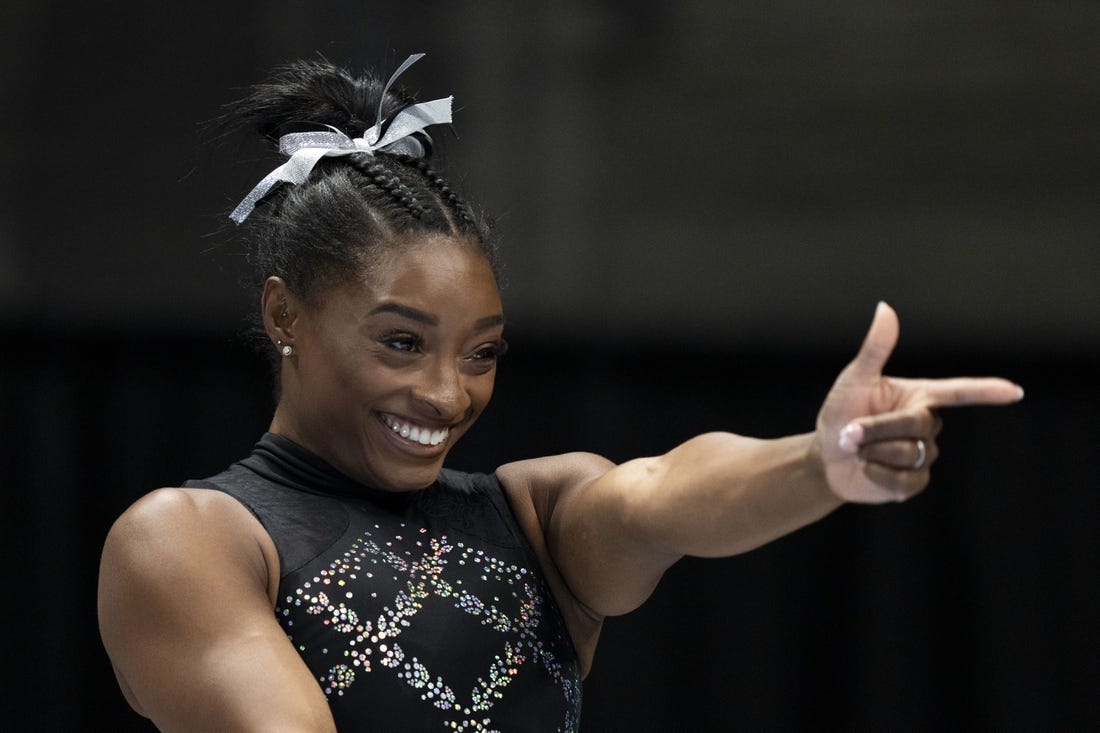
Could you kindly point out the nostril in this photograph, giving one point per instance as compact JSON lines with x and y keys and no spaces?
{"x":445,"y":395}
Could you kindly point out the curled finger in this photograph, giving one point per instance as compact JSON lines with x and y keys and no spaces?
{"x":901,"y":455}
{"x":910,"y":423}
{"x":907,"y":424}
{"x":902,"y":484}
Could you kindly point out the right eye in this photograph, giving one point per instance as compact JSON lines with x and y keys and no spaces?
{"x":402,"y":341}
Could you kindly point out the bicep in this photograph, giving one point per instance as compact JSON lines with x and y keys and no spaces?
{"x":186,"y":618}
{"x":599,"y":536}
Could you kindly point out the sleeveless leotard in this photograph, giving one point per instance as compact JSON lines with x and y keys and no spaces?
{"x":419,"y":611}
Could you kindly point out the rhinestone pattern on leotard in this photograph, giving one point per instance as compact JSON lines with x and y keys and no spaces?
{"x":365,"y":636}
{"x":417,"y":612}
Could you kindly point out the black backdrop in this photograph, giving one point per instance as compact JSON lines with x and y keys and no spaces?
{"x":944,"y":157}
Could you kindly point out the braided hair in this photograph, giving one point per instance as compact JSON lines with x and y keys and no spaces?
{"x":354,"y":208}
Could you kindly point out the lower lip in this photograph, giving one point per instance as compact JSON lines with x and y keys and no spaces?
{"x":414,"y":449}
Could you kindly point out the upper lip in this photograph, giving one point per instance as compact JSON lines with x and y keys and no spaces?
{"x":417,"y":422}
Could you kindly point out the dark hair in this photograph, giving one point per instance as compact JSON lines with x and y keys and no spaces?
{"x":332,"y":228}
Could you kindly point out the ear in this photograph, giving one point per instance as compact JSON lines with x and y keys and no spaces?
{"x":280,"y":310}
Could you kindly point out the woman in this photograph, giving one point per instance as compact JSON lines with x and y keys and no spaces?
{"x":339,"y":577}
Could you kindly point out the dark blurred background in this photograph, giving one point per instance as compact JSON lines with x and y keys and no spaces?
{"x":700,"y":205}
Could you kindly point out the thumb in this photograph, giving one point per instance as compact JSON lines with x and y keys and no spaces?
{"x":878,"y":344}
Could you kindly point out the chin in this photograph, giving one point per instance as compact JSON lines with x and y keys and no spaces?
{"x":410,"y":479}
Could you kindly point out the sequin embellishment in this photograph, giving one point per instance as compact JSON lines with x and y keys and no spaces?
{"x":421,"y":568}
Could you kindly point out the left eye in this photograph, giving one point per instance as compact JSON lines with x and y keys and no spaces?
{"x":491,"y":351}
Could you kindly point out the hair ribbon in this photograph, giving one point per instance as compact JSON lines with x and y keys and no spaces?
{"x":397,"y":135}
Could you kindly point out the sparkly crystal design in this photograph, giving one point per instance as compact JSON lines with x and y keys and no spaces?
{"x":371,"y":645}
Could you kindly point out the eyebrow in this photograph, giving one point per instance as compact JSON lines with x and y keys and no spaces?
{"x":488,"y":322}
{"x":415,"y":314}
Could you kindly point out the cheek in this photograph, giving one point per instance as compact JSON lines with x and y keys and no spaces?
{"x":346,"y":381}
{"x":482,"y":390}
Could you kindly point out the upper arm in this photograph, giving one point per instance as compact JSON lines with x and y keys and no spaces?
{"x":186,"y":615}
{"x":614,"y":530}
{"x":600,"y":531}
{"x":592,"y":516}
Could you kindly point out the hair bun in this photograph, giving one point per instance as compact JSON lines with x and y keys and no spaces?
{"x":304,"y":95}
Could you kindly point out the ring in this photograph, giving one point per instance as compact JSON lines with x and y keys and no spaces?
{"x":922,"y":453}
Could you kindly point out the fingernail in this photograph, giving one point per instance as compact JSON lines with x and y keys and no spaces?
{"x":850,"y":437}
{"x":1019,"y":393}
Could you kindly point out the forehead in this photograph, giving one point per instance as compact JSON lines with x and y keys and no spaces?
{"x":435,"y":273}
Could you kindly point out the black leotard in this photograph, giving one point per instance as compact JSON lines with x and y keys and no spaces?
{"x":420,"y":611}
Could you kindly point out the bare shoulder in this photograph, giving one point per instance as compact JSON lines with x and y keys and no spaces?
{"x":186,"y":596}
{"x":173,"y":544}
{"x":533,"y":488}
{"x":164,"y":508}
{"x":171,"y":525}
{"x":547,"y":478}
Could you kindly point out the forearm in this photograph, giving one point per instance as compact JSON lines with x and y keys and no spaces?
{"x":721,"y":494}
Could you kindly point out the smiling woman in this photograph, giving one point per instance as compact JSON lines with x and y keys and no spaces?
{"x":339,"y":576}
{"x":391,"y":369}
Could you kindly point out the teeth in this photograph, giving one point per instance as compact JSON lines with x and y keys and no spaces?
{"x":415,"y":433}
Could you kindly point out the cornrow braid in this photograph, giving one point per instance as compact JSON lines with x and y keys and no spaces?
{"x":451,"y":200}
{"x":383,"y":178}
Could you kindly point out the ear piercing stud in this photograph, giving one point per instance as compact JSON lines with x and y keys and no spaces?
{"x":285,"y":349}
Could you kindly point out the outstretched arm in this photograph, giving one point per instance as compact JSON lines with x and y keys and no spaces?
{"x":615,"y":533}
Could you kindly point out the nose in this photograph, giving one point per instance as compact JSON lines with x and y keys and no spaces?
{"x":442,"y":389}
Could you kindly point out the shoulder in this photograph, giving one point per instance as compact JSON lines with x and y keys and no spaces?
{"x":547,"y":478}
{"x":175,"y":513}
{"x":174,"y":531}
{"x":534,"y":488}
{"x":187,"y":584}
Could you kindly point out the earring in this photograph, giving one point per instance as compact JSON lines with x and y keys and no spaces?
{"x":285,"y":350}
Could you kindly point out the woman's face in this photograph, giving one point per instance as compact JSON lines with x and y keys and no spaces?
{"x":390,"y":371}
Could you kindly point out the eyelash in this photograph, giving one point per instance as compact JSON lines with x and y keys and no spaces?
{"x":497,"y":349}
{"x":410,"y":343}
{"x":394,"y":339}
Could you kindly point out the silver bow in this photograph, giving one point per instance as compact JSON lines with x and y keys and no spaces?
{"x":306,"y":148}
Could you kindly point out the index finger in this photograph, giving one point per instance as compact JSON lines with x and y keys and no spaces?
{"x":960,"y":391}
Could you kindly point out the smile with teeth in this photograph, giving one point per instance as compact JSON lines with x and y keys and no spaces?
{"x":416,"y":433}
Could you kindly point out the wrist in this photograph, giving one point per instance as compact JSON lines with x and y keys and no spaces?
{"x":814,"y":469}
